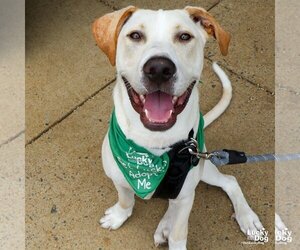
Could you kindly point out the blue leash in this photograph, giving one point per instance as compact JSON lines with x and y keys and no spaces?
{"x":228,"y":157}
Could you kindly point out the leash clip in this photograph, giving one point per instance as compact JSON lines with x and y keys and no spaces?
{"x":204,"y":155}
{"x":193,"y":148}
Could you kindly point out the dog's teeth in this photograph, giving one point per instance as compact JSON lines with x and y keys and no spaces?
{"x":171,"y":111}
{"x":146,"y":112}
{"x":142,"y":98}
{"x":174,"y":100}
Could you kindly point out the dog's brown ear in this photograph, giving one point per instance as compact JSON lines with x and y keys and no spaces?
{"x":211,"y":26}
{"x":106,"y":30}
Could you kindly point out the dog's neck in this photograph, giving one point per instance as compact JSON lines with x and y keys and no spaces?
{"x":154,"y":141}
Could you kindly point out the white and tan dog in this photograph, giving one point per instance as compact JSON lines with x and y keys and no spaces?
{"x":159,"y":58}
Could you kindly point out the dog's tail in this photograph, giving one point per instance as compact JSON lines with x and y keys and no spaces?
{"x":226,"y":97}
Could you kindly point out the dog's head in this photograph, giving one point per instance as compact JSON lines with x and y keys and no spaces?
{"x":159,"y":57}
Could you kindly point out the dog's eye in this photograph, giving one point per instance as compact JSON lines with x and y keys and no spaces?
{"x":184,"y":37}
{"x":136,"y":36}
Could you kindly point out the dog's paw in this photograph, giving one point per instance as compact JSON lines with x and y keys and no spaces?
{"x":161,"y":237}
{"x":115,"y":216}
{"x":279,"y":225}
{"x":162,"y":232}
{"x":249,"y":223}
{"x":177,"y":245}
{"x":281,"y":230}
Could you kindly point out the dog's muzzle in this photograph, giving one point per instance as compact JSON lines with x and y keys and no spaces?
{"x":158,"y":107}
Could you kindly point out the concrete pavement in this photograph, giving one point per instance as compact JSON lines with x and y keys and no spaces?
{"x":68,"y":89}
{"x":12,"y":124}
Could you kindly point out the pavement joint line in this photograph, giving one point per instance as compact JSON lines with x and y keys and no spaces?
{"x":288,"y":89}
{"x":66,"y":115}
{"x":245,"y":79}
{"x":10,"y":139}
{"x":107,"y":4}
{"x":214,"y":5}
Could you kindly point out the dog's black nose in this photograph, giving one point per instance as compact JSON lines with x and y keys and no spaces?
{"x":159,"y":69}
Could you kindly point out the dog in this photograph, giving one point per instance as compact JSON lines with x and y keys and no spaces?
{"x":159,"y":59}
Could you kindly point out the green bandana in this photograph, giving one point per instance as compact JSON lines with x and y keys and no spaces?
{"x":143,"y":170}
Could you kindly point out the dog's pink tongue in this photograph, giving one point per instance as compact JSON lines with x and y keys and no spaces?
{"x":158,"y":106}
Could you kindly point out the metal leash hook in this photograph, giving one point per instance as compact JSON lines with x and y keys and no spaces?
{"x":197,"y":153}
{"x":193,"y":148}
{"x":227,"y":157}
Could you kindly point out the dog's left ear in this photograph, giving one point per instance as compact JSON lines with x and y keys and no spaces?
{"x":106,"y":30}
{"x":211,"y":26}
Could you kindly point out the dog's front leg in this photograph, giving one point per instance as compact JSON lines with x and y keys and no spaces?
{"x":179,"y":210}
{"x":246,"y":218}
{"x":116,"y":215}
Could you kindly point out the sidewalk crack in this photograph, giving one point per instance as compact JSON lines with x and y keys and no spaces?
{"x":68,"y":113}
{"x":12,"y":138}
{"x":259,"y":86}
{"x":106,"y":3}
{"x":214,"y":5}
{"x":287,"y":88}
{"x":111,"y":6}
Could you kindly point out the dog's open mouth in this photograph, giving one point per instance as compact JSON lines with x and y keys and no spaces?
{"x":158,"y":110}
